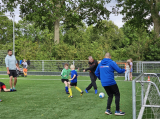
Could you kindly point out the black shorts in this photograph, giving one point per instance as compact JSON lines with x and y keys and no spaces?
{"x":13,"y":73}
{"x":64,"y":80}
{"x":73,"y":84}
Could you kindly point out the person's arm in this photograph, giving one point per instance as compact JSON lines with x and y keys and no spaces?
{"x":97,"y":73}
{"x":73,"y":77}
{"x":7,"y":65}
{"x":117,"y":68}
{"x":63,"y":74}
{"x":91,"y":67}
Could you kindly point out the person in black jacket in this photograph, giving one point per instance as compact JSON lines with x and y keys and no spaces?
{"x":93,"y":65}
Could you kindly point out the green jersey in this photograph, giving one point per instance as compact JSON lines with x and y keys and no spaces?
{"x":65,"y":73}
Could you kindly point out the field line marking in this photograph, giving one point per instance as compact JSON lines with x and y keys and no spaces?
{"x":55,"y":79}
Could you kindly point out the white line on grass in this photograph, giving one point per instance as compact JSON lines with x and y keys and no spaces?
{"x":56,"y":79}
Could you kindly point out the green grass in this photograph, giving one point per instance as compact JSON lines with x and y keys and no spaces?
{"x":46,"y":99}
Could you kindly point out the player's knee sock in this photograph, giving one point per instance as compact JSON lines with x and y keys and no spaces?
{"x":70,"y":91}
{"x":78,"y":89}
{"x":66,"y":88}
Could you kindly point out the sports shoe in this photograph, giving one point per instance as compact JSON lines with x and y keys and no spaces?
{"x":81,"y":93}
{"x":108,"y":112}
{"x":86,"y":90}
{"x":11,"y":90}
{"x":67,"y":92}
{"x":96,"y":91}
{"x":119,"y":113}
{"x":14,"y":88}
{"x":0,"y":100}
{"x":70,"y":96}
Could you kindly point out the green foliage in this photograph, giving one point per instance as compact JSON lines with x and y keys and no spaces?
{"x":141,"y":13}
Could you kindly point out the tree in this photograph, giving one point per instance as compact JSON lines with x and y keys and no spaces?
{"x":141,"y":13}
{"x":6,"y":29}
{"x":50,"y":12}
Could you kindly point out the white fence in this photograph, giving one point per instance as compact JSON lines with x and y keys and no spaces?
{"x":57,"y":65}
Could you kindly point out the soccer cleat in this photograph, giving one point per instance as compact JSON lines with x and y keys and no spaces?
{"x":96,"y":91}
{"x":118,"y":113}
{"x":86,"y":90}
{"x":0,"y":100}
{"x":108,"y":112}
{"x":14,"y":88}
{"x":81,"y":93}
{"x":70,"y":96}
{"x":67,"y":92}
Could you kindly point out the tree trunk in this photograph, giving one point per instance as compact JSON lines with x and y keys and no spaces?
{"x":156,"y":22}
{"x":56,"y":31}
{"x":155,"y":18}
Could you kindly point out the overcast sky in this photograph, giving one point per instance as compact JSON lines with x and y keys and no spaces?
{"x":116,"y":19}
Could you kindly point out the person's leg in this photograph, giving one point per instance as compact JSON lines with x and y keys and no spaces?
{"x":115,"y":90}
{"x":10,"y":81}
{"x":6,"y":90}
{"x":66,"y":86}
{"x":93,"y":79}
{"x":131,"y":76}
{"x":110,"y":96}
{"x":126,"y":76}
{"x":15,"y":82}
{"x":70,"y":91}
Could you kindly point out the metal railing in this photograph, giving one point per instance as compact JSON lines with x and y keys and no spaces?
{"x":146,"y":96}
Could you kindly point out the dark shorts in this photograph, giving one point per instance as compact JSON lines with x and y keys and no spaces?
{"x":13,"y":73}
{"x":64,"y":80}
{"x":73,"y":84}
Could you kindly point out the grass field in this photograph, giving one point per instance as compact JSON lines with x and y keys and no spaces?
{"x":43,"y":97}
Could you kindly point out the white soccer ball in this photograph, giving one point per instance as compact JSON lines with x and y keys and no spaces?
{"x":101,"y":95}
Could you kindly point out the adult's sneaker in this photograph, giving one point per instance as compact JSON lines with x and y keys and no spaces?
{"x":86,"y":90}
{"x":108,"y":112}
{"x":96,"y":91}
{"x":119,"y":113}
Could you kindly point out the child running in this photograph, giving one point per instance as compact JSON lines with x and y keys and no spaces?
{"x":64,"y":74}
{"x":73,"y":79}
{"x":127,"y":73}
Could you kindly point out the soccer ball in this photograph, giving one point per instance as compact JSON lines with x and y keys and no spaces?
{"x":101,"y":95}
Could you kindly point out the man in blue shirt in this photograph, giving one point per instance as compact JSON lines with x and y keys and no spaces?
{"x":11,"y":64}
{"x":73,"y":79}
{"x":105,"y":73}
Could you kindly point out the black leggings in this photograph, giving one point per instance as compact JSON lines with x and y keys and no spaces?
{"x":110,"y":90}
{"x":93,"y":82}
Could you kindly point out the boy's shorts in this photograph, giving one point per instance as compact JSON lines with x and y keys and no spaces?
{"x":2,"y":87}
{"x":24,"y":69}
{"x":73,"y":84}
{"x":64,"y":80}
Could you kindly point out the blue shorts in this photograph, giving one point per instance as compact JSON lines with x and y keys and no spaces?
{"x":131,"y":70}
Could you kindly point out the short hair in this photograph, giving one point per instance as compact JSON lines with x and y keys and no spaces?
{"x":90,"y":57}
{"x":65,"y":64}
{"x":9,"y":50}
{"x":107,"y":54}
{"x":72,"y":67}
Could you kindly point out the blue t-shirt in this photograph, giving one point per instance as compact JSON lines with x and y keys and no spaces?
{"x":73,"y":72}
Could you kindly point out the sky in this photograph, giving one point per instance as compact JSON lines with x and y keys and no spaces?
{"x":116,"y":19}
